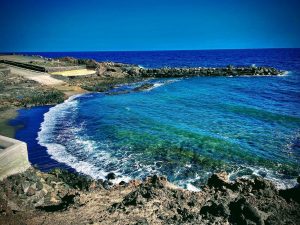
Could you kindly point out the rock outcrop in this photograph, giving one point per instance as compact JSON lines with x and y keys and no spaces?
{"x":60,"y":197}
{"x":15,"y":90}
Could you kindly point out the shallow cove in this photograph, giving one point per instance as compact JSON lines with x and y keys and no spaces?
{"x":182,"y":128}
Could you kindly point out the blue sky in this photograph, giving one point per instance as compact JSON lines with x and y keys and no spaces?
{"x":115,"y":25}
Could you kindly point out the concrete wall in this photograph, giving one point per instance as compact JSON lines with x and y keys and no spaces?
{"x":24,"y":65}
{"x":42,"y":68}
{"x":13,"y":157}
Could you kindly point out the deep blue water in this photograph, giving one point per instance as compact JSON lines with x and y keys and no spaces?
{"x":29,"y":123}
{"x":183,"y":128}
{"x":157,"y":59}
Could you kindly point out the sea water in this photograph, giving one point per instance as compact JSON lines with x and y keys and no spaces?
{"x":185,"y":129}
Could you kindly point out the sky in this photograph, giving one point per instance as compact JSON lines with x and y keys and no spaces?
{"x":136,"y":25}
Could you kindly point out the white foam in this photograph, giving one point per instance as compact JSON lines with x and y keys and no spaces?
{"x":286,"y":73}
{"x":188,"y":183}
{"x":58,"y":151}
{"x":161,"y":83}
{"x":191,"y":187}
{"x":88,"y":145}
{"x":156,"y":85}
{"x":280,"y":183}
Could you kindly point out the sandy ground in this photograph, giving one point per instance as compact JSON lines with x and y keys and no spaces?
{"x":81,"y":72}
{"x":42,"y":78}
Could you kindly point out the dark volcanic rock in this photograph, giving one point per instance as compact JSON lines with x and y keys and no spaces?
{"x":218,"y":180}
{"x":74,"y":180}
{"x":122,"y":183}
{"x":226,"y":71}
{"x":111,"y":176}
{"x":107,"y":184}
{"x":244,"y":213}
{"x":216,"y":209}
{"x":154,"y":201}
{"x":291,"y":194}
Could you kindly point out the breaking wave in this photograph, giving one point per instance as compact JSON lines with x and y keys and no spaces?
{"x":182,"y":130}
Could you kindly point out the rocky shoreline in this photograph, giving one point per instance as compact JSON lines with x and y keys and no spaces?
{"x":108,"y":74}
{"x":16,"y":91}
{"x":60,"y":197}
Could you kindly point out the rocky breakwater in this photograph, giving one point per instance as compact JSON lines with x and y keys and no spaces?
{"x":121,"y":70}
{"x":60,"y":197}
{"x":204,"y":71}
{"x":109,"y":74}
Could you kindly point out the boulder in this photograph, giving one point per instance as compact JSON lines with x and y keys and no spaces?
{"x":291,"y":194}
{"x":218,"y":180}
{"x":243,"y":212}
{"x":122,"y":183}
{"x":156,"y":181}
{"x":215,"y":209}
{"x":111,"y":176}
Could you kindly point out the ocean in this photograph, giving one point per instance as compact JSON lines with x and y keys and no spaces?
{"x":185,"y":129}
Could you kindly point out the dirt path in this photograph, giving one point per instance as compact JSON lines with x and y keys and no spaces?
{"x":42,"y":78}
{"x":46,"y":79}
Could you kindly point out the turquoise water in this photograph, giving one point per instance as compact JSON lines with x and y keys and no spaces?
{"x":185,"y":129}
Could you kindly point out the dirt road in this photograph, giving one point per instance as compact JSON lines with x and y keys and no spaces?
{"x":46,"y":79}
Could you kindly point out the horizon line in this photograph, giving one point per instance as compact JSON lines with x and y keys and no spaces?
{"x":161,"y":50}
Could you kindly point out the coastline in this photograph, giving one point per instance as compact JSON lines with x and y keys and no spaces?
{"x":109,"y":75}
{"x":10,"y":123}
{"x":60,"y":197}
{"x":64,"y":193}
{"x":65,"y":164}
{"x":58,"y":88}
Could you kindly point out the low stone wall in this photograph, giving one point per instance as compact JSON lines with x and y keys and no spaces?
{"x":24,"y":65}
{"x":13,"y":157}
{"x":42,"y":68}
